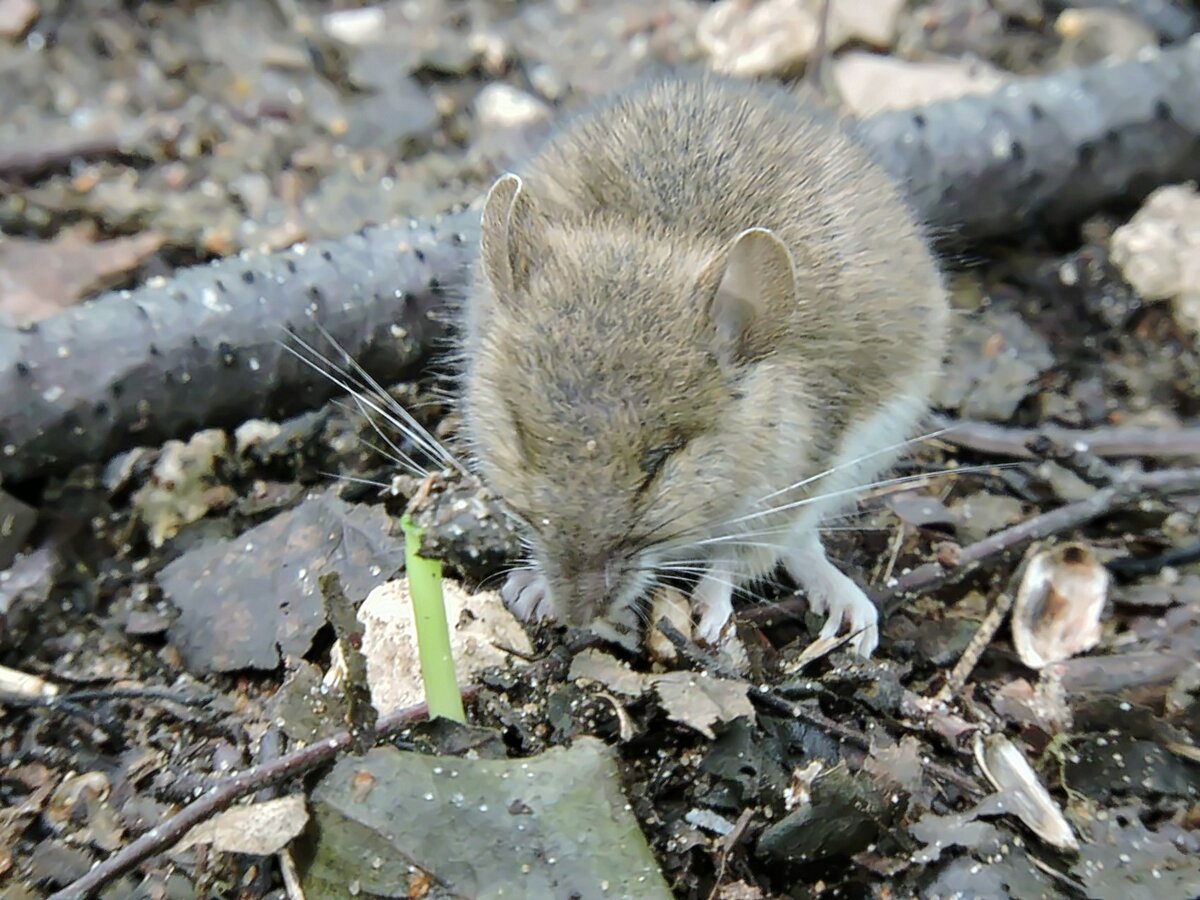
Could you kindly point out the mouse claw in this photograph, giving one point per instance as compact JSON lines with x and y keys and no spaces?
{"x":524,"y":593}
{"x":857,"y":612}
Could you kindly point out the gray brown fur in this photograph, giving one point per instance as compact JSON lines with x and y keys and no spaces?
{"x":591,"y":344}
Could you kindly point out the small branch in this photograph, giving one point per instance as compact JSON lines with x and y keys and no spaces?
{"x":1129,"y":489}
{"x":233,"y":788}
{"x":1110,"y":443}
{"x":983,"y":637}
{"x":1077,"y":459}
{"x":342,"y":615}
{"x":33,"y":159}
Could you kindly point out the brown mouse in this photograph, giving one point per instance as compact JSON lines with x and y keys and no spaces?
{"x":701,"y":318}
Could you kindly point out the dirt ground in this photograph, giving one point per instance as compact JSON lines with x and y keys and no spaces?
{"x":170,"y":594}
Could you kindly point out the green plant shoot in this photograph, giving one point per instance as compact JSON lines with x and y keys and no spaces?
{"x":433,"y":632}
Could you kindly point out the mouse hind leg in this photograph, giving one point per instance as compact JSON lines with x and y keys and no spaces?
{"x":833,"y":594}
{"x":866,"y":453}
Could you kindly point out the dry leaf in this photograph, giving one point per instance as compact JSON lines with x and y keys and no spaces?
{"x":256,"y":829}
{"x":674,"y":606}
{"x":700,"y":702}
{"x":40,"y":278}
{"x":606,"y":670}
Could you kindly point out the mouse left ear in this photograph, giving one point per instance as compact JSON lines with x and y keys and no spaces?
{"x":747,"y":285}
{"x":504,"y":229}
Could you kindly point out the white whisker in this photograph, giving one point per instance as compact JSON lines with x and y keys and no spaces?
{"x":854,"y":462}
{"x":859,"y":489}
{"x":355,"y":480}
{"x":365,"y":393}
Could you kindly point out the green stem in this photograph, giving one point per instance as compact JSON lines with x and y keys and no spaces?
{"x":433,"y":631}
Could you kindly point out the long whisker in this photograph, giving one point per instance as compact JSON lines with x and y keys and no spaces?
{"x":361,"y":401}
{"x":355,"y":480}
{"x":654,"y":536}
{"x":396,"y":455}
{"x":858,"y":489}
{"x":364,"y":393}
{"x":853,"y":462}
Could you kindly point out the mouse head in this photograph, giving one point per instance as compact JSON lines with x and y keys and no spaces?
{"x":614,"y":389}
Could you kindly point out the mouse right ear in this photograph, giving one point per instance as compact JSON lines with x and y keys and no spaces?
{"x":503,"y":234}
{"x":748,"y":288}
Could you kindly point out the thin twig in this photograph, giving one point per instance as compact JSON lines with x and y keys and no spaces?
{"x":227,"y":792}
{"x":1129,"y":489}
{"x":983,"y":637}
{"x":18,"y":161}
{"x":1111,"y":442}
{"x":1077,"y":459}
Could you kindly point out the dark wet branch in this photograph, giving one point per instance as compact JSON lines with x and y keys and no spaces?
{"x":201,"y":349}
{"x":1046,"y":151}
{"x":29,"y":159}
{"x":205,"y":348}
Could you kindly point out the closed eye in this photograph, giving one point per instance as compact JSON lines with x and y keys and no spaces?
{"x":654,"y":459}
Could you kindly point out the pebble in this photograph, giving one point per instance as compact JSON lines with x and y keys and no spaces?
{"x":501,"y":105}
{"x":16,"y":16}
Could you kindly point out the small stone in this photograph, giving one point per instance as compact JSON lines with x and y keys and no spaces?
{"x":501,"y":105}
{"x":748,"y":39}
{"x":547,"y":82}
{"x":16,"y":16}
{"x":1158,"y":251}
{"x":1090,"y":36}
{"x":870,"y":83}
{"x":355,"y":26}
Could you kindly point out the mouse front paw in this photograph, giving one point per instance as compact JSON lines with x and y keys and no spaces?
{"x":712,"y":606}
{"x":524,"y":593}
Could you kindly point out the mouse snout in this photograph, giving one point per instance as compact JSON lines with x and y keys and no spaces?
{"x":586,"y":588}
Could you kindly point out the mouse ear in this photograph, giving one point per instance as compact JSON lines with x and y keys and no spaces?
{"x":503,"y":228}
{"x":747,"y":284}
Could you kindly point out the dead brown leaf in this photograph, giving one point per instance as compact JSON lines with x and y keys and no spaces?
{"x":40,"y":278}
